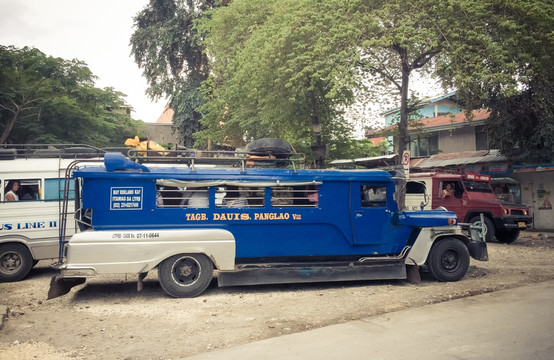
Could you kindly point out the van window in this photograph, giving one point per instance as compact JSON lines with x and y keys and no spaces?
{"x":53,"y":189}
{"x":477,"y":186}
{"x":374,"y":196}
{"x":29,"y":189}
{"x":414,"y":187}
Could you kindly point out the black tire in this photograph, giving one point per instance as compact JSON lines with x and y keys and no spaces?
{"x":185,"y":275}
{"x":507,"y":236}
{"x":448,"y":260}
{"x":15,"y":262}
{"x":277,"y":147}
{"x":490,"y":230}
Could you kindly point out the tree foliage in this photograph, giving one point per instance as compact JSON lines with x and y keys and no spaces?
{"x":280,"y":63}
{"x":288,"y":68}
{"x":169,"y":50}
{"x":272,"y":78}
{"x":48,"y":100}
{"x":507,"y":67}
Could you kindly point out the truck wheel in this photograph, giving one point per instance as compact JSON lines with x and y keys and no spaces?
{"x":490,"y":230}
{"x":15,"y":262}
{"x":507,"y":236}
{"x":185,"y":275}
{"x":448,"y":260}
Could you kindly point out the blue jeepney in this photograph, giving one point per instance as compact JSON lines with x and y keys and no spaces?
{"x":253,"y":226}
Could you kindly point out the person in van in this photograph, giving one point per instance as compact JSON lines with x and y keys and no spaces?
{"x":13,"y":190}
{"x":234,"y":198}
{"x":27,"y":193}
{"x":448,"y":190}
{"x":199,"y":198}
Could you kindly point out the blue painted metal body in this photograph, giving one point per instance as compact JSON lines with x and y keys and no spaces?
{"x":124,"y":197}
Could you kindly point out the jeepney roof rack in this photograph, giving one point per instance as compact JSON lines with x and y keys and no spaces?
{"x":243,"y":159}
{"x":41,"y":151}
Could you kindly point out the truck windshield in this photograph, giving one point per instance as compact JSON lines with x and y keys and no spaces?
{"x":477,"y":186}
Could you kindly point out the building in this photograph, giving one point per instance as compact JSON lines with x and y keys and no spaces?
{"x":452,"y":142}
{"x":427,"y":108}
{"x":162,"y":130}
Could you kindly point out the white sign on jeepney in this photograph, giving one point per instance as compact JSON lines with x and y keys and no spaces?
{"x":126,"y":198}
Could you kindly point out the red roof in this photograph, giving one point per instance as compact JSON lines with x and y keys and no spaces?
{"x":166,"y":117}
{"x":377,"y":140}
{"x":442,"y":120}
{"x":452,"y":119}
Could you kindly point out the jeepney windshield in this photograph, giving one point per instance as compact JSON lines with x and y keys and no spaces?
{"x":477,"y":186}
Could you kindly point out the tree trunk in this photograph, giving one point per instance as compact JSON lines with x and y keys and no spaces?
{"x":317,"y":148}
{"x":403,"y":137}
{"x":9,"y":128}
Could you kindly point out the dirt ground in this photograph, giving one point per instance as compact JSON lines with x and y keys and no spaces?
{"x":106,"y":318}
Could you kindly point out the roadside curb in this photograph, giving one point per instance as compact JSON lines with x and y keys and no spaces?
{"x":3,"y":315}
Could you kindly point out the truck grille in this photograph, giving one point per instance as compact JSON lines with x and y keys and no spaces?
{"x":517,"y":212}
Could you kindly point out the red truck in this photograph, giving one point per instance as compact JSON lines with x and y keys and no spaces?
{"x":468,"y":195}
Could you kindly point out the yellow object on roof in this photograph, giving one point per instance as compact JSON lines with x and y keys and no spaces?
{"x":143,"y":145}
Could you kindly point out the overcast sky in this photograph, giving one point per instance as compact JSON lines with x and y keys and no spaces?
{"x":94,"y":31}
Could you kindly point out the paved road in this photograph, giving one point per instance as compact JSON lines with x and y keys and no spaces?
{"x":516,"y":324}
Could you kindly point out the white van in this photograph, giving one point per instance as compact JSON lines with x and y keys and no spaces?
{"x":29,"y":227}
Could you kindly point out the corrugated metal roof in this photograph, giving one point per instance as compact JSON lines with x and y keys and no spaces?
{"x":383,"y":160}
{"x":463,"y":158}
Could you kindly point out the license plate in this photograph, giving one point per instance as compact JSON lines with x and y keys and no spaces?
{"x":521,"y":224}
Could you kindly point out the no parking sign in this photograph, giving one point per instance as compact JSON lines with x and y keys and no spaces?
{"x":406,"y":161}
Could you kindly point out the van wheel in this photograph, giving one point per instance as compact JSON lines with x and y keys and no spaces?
{"x":507,"y":236}
{"x":15,"y":262}
{"x":185,"y":275}
{"x":448,"y":260}
{"x":490,"y":230}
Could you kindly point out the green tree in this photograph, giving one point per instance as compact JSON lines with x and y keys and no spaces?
{"x":45,"y":100}
{"x":506,"y":66}
{"x":28,"y":77}
{"x":169,"y":50}
{"x":271,"y":78}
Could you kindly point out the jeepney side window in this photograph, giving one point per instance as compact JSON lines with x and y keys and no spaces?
{"x":239,"y":196}
{"x":374,"y":195}
{"x":295,"y":196}
{"x":176,"y":197}
{"x":168,"y":196}
{"x":29,"y":189}
{"x":196,"y":197}
{"x":53,"y":189}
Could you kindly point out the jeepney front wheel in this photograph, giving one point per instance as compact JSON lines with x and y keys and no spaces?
{"x":15,"y":262}
{"x":185,"y":275}
{"x":448,"y":260}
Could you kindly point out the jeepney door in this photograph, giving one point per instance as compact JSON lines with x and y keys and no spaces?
{"x":371,"y":217}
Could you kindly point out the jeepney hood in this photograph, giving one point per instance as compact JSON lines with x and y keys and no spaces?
{"x":428,"y":218}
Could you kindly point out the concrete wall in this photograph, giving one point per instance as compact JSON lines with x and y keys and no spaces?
{"x":537,"y":190}
{"x":161,"y":133}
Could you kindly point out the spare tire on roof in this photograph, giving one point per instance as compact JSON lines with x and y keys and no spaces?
{"x":270,"y":146}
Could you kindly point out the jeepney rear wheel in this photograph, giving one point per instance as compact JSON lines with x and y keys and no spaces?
{"x":507,"y":236}
{"x":185,"y":275}
{"x":15,"y":262}
{"x":490,"y":230}
{"x":448,"y":260}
